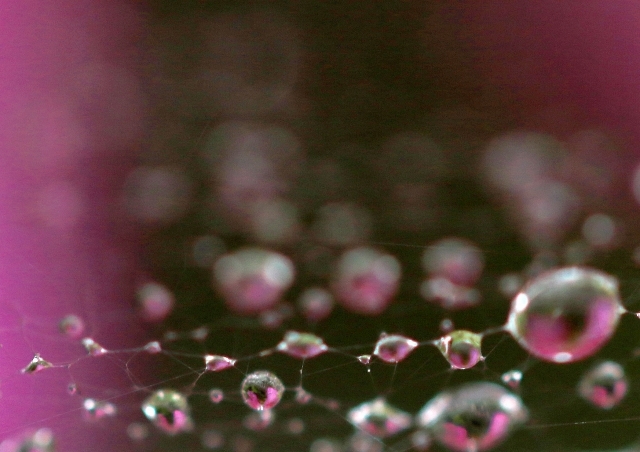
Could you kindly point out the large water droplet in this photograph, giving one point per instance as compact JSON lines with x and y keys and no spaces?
{"x":366,"y":280}
{"x":461,"y":348}
{"x":565,"y":314}
{"x":605,"y":385}
{"x":261,"y":390}
{"x":379,"y":419}
{"x":302,"y":345}
{"x":252,"y":280}
{"x":169,"y":411}
{"x":393,"y":348}
{"x":474,"y":417}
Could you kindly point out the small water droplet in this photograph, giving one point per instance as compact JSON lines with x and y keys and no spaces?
{"x":37,"y":364}
{"x":169,"y":411}
{"x":512,"y":378}
{"x":262,"y":390}
{"x":393,"y":348}
{"x":378,"y":418}
{"x":72,"y":389}
{"x":72,"y":326}
{"x":315,"y":304}
{"x":604,"y":385}
{"x":155,"y":302}
{"x":365,"y":359}
{"x":98,"y":409}
{"x":216,"y":363}
{"x":302,"y":345}
{"x":463,"y":349}
{"x":93,"y":347}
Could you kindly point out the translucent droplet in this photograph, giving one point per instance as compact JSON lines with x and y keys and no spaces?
{"x":169,"y":411}
{"x":379,"y":419}
{"x":365,"y":359}
{"x":216,"y":395}
{"x":155,"y":301}
{"x":93,"y":347}
{"x":474,"y":417}
{"x":137,"y":431}
{"x":72,"y":326}
{"x":449,"y":295}
{"x":258,"y":420}
{"x":41,"y":440}
{"x":253,"y":280}
{"x":212,"y":439}
{"x":302,"y":396}
{"x":295,"y":426}
{"x":366,"y":280}
{"x":98,"y":409}
{"x":199,"y":334}
{"x":72,"y":389}
{"x":458,"y":260}
{"x":262,"y":390}
{"x":153,"y":347}
{"x":37,"y":364}
{"x":421,"y":440}
{"x":605,"y":385}
{"x":463,"y":349}
{"x":393,"y":348}
{"x":315,"y":304}
{"x":512,"y":378}
{"x":566,"y":314}
{"x":216,"y":363}
{"x":302,"y":345}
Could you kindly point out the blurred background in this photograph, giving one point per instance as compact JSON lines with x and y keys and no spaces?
{"x":198,"y":173}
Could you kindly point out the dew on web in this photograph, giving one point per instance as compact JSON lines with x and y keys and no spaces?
{"x":566,"y":314}
{"x":37,"y":364}
{"x":261,"y":390}
{"x":474,"y":417}
{"x":98,"y":409}
{"x":393,"y":348}
{"x":169,"y":411}
{"x":153,"y":347}
{"x":301,"y":345}
{"x":378,"y":418}
{"x":463,"y":349}
{"x":92,"y":347}
{"x":605,"y":385}
{"x":216,"y":363}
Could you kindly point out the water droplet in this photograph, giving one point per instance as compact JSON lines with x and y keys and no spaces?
{"x":252,"y":280}
{"x":302,"y":396}
{"x":169,"y":411}
{"x":216,"y":363}
{"x":295,"y":426}
{"x":155,"y":301}
{"x":379,"y":419}
{"x":365,"y":359}
{"x":216,"y":395}
{"x":366,"y":280}
{"x":37,"y":364}
{"x":302,"y":345}
{"x":98,"y":409}
{"x":72,"y":326}
{"x":605,"y":385}
{"x":93,"y":347}
{"x":458,"y":260}
{"x":463,"y":349}
{"x":512,"y":378}
{"x":421,"y":441}
{"x":72,"y":389}
{"x":199,"y":334}
{"x":449,"y":295}
{"x":258,"y":420}
{"x":474,"y":417}
{"x":42,"y":440}
{"x":153,"y":347}
{"x":566,"y":314}
{"x":315,"y":304}
{"x":393,"y":348}
{"x":261,"y":390}
{"x":363,"y":442}
{"x":137,"y":431}
{"x":212,"y":439}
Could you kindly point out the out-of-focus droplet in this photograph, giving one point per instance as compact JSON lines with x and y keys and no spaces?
{"x":37,"y":364}
{"x":393,"y":348}
{"x":599,"y":230}
{"x":92,"y":347}
{"x":155,"y":302}
{"x":216,"y":363}
{"x":212,"y":439}
{"x":566,"y":314}
{"x":302,"y":345}
{"x":205,"y":250}
{"x":153,"y":347}
{"x":449,"y":295}
{"x":72,"y":389}
{"x":421,"y":441}
{"x":512,"y":378}
{"x":274,"y":221}
{"x":295,"y":426}
{"x":316,"y":304}
{"x":216,"y":395}
{"x":363,"y":442}
{"x":253,"y":280}
{"x":366,"y":280}
{"x":258,"y":420}
{"x":72,"y":326}
{"x":302,"y":396}
{"x":137,"y":431}
{"x":325,"y":445}
{"x":98,"y":409}
{"x":604,"y":386}
{"x":510,"y":284}
{"x":169,"y":411}
{"x":41,"y":440}
{"x":463,"y":349}
{"x":458,"y":260}
{"x":261,"y":390}
{"x":474,"y":417}
{"x":379,"y":419}
{"x":365,"y":359}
